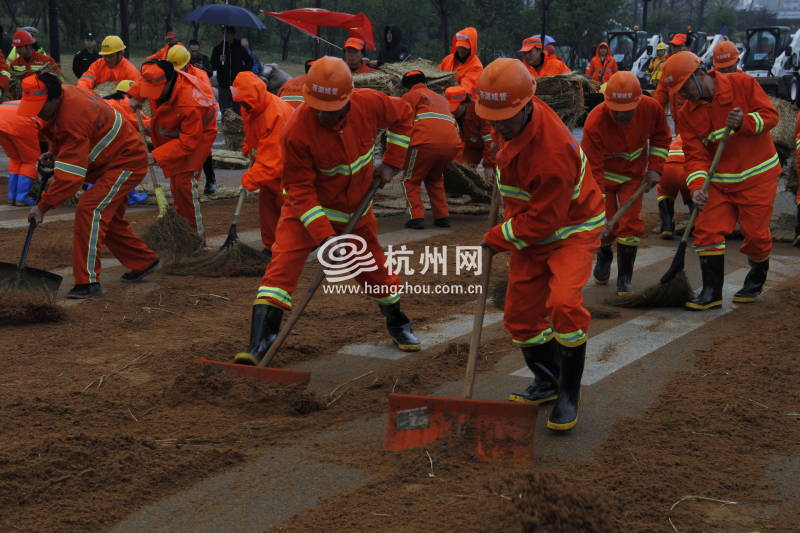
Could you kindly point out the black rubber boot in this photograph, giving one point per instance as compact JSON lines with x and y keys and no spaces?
{"x":399,"y":327}
{"x":265,"y":322}
{"x":753,"y":282}
{"x":415,"y":223}
{"x":564,"y":415}
{"x":84,"y":291}
{"x":442,"y":222}
{"x":211,"y":178}
{"x":797,"y":229}
{"x":137,"y":276}
{"x":666,"y":210}
{"x":602,"y":265}
{"x":626,"y":256}
{"x":543,"y":362}
{"x":710,"y":296}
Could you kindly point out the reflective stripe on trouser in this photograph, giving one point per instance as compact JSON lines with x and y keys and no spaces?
{"x":290,"y":251}
{"x":100,"y":220}
{"x":544,"y":298}
{"x":270,"y":201}
{"x":752,"y":208}
{"x":630,"y":227}
{"x":186,"y":197}
{"x":426,"y":164}
{"x":673,"y":182}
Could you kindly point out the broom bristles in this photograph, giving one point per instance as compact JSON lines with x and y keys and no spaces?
{"x":237,"y":260}
{"x":172,"y":235}
{"x":675,"y":293}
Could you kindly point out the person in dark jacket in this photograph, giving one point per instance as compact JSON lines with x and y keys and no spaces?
{"x":394,"y":50}
{"x":199,"y":59}
{"x":227,"y":66}
{"x":87,"y":56}
{"x":5,"y":43}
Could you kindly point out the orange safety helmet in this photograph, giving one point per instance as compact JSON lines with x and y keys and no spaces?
{"x":22,"y":38}
{"x":505,"y":86}
{"x":623,"y":91}
{"x":725,"y":54}
{"x":677,"y":69}
{"x":328,"y":85}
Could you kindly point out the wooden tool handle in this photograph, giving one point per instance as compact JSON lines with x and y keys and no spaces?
{"x":480,"y":305}
{"x":711,"y":171}
{"x":319,"y":277}
{"x":627,"y":205}
{"x":239,"y":202}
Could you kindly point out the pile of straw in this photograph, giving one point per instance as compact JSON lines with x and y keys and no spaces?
{"x":232,"y":130}
{"x":565,"y":95}
{"x":387,"y":78}
{"x":462,"y":179}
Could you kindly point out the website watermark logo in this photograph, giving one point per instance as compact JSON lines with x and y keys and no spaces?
{"x":345,"y":257}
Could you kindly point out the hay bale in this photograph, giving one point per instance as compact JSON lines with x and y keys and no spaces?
{"x":564,"y":93}
{"x":228,"y":159}
{"x":387,"y":78}
{"x":232,"y":130}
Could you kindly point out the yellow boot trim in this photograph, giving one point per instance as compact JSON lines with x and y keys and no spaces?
{"x":513,"y":397}
{"x":407,"y":347}
{"x":245,"y":358}
{"x":599,"y":281}
{"x":562,"y":427}
{"x":743,"y":299}
{"x":697,"y":307}
{"x":625,"y":293}
{"x":666,"y":234}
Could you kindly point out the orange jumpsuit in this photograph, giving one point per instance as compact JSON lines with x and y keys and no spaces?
{"x":37,"y":62}
{"x":620,"y":155}
{"x":468,"y":72}
{"x":746,"y":180}
{"x":162,"y":52}
{"x":600,"y":70}
{"x":551,"y":66}
{"x":19,"y":138}
{"x":553,"y":216}
{"x":434,"y":144}
{"x":673,"y":179}
{"x":92,"y":143}
{"x":183,"y":130}
{"x":263,"y":124}
{"x":476,"y":134}
{"x":327,"y":172}
{"x":292,"y":91}
{"x":99,"y":72}
{"x":123,"y":106}
{"x":5,"y":73}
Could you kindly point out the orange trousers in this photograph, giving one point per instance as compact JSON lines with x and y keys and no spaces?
{"x":270,"y":201}
{"x":426,"y":164}
{"x":290,"y":251}
{"x":22,"y":153}
{"x":751,"y":207}
{"x":186,"y":198}
{"x":673,"y":182}
{"x":544,"y":299}
{"x":630,"y":227}
{"x":100,"y":219}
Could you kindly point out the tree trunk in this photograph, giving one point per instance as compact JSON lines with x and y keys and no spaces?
{"x":124,"y":25}
{"x":55,"y":44}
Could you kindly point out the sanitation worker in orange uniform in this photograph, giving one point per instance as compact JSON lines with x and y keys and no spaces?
{"x":91,"y":143}
{"x":602,"y":66}
{"x":328,"y":148}
{"x":183,"y":129}
{"x":726,"y":57}
{"x":671,"y":184}
{"x":464,"y":60}
{"x":171,"y":39}
{"x":354,"y":56}
{"x":28,"y":59}
{"x":743,"y":188}
{"x":626,"y":139}
{"x":112,"y":65}
{"x":434,"y":144}
{"x":19,"y":138}
{"x":553,"y":214}
{"x":264,"y":116}
{"x":476,"y":134}
{"x":539,"y":62}
{"x":291,"y":92}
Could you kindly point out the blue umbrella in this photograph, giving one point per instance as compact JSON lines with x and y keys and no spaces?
{"x":226,"y":15}
{"x":547,"y":39}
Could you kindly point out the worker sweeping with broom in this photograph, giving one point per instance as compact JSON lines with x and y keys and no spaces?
{"x":183,"y":129}
{"x":264,"y":116}
{"x":328,"y":150}
{"x":626,"y":139}
{"x":743,"y":187}
{"x":89,"y":143}
{"x":553,"y":218}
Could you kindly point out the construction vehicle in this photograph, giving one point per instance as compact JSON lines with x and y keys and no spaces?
{"x":626,"y":46}
{"x":708,"y":57}
{"x":772,"y":57}
{"x":640,"y":66}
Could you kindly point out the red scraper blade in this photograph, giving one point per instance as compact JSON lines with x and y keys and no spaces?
{"x":262,"y":373}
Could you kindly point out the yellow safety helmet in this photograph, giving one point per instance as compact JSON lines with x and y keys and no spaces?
{"x":179,"y":56}
{"x":661,"y":46}
{"x":111,"y":45}
{"x":124,"y":86}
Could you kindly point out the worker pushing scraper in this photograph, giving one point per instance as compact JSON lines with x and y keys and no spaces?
{"x":328,"y":147}
{"x":553,"y":214}
{"x":744,"y":185}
